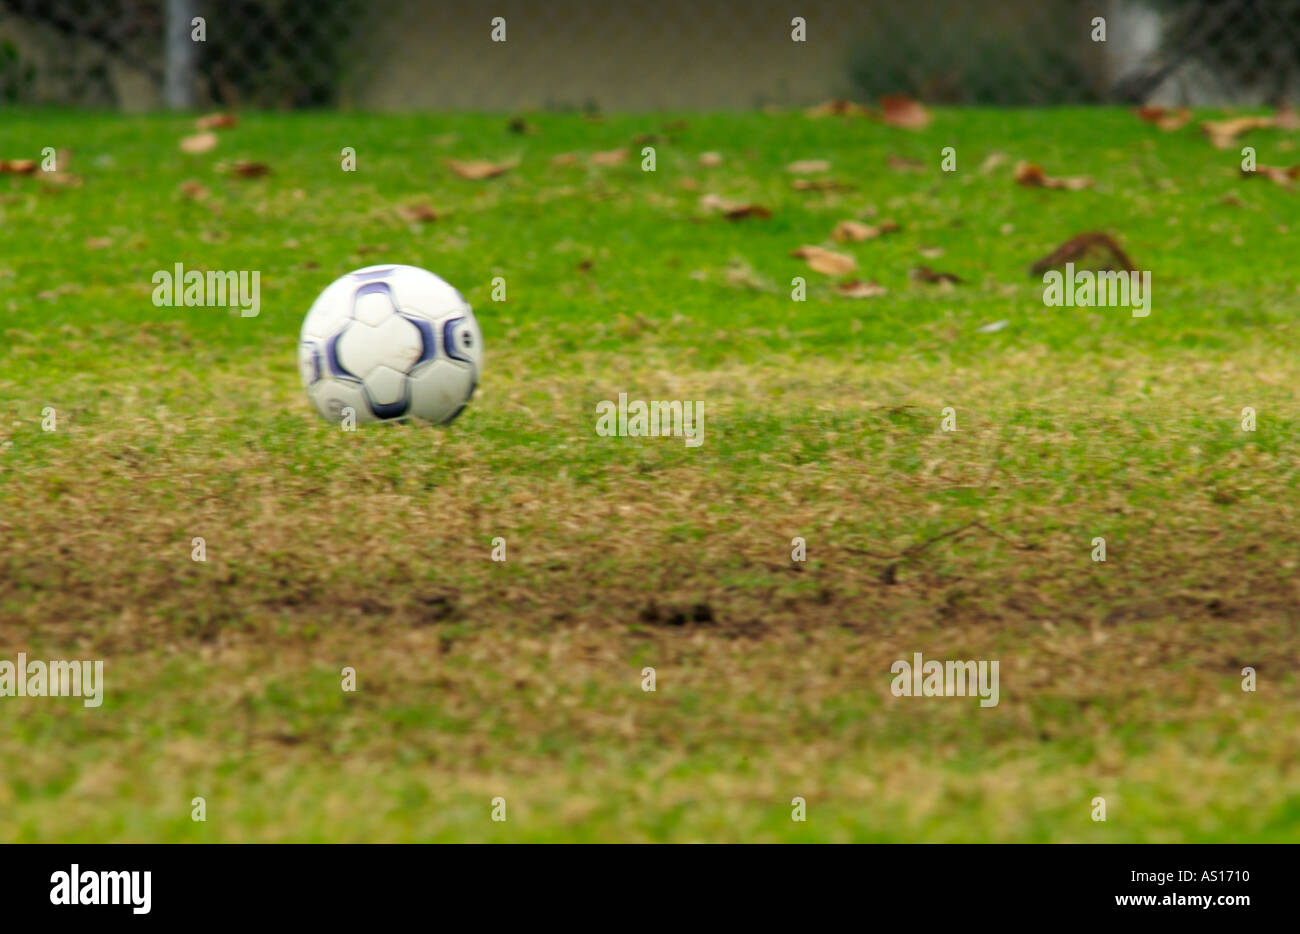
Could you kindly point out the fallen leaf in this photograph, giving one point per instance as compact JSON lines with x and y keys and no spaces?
{"x":931,"y":252}
{"x":901,"y":111}
{"x":836,"y":108}
{"x":522,"y":126}
{"x":1223,"y":133}
{"x":98,"y":243}
{"x":250,"y":169}
{"x":710,"y":159}
{"x":733,"y":210}
{"x":741,"y":275}
{"x":992,"y":161}
{"x":193,"y":190}
{"x":856,"y":289}
{"x":849,"y":231}
{"x":992,"y":327}
{"x":808,"y":166}
{"x":479,"y":169}
{"x":1286,"y":118}
{"x":564,"y":158}
{"x":826,"y":261}
{"x":1031,"y":175}
{"x":820,"y":184}
{"x":612,"y":157}
{"x":17,"y":166}
{"x":200,"y":142}
{"x":926,"y":274}
{"x":216,"y":122}
{"x":853,"y":231}
{"x":419,"y":212}
{"x":55,"y":180}
{"x":899,"y":164}
{"x":1164,"y":119}
{"x":1091,"y":250}
{"x":1280,"y":176}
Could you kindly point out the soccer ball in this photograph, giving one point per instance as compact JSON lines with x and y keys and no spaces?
{"x":390,"y":342}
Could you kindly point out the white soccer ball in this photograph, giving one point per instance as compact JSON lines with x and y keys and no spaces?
{"x":390,"y":342}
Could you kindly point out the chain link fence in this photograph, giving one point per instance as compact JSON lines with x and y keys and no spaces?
{"x":643,"y":54}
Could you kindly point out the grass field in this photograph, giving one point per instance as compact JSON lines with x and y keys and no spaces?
{"x":522,"y":679}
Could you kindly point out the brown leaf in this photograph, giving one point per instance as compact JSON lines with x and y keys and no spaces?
{"x":612,"y":157}
{"x":900,"y":110}
{"x":98,"y":243}
{"x":216,"y":122}
{"x":741,"y":275}
{"x":826,"y":261}
{"x":250,"y":169}
{"x":849,"y":231}
{"x":732,"y":210}
{"x":479,"y":169}
{"x":1164,"y":119}
{"x":710,"y":159}
{"x":820,"y":184}
{"x":899,"y":164}
{"x":193,"y":190}
{"x":1031,"y":175}
{"x":1286,"y":118}
{"x":418,"y":212}
{"x":564,"y":158}
{"x":18,"y":167}
{"x":1280,"y":176}
{"x":200,"y":142}
{"x":853,"y":231}
{"x":1223,"y":133}
{"x":836,"y":108}
{"x":808,"y":166}
{"x":856,"y":289}
{"x":992,"y":161}
{"x":926,"y":274}
{"x":522,"y":126}
{"x":739,"y":211}
{"x":1091,"y":250}
{"x":53,"y":180}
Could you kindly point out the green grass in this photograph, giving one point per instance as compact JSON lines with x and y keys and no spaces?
{"x":522,"y":679}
